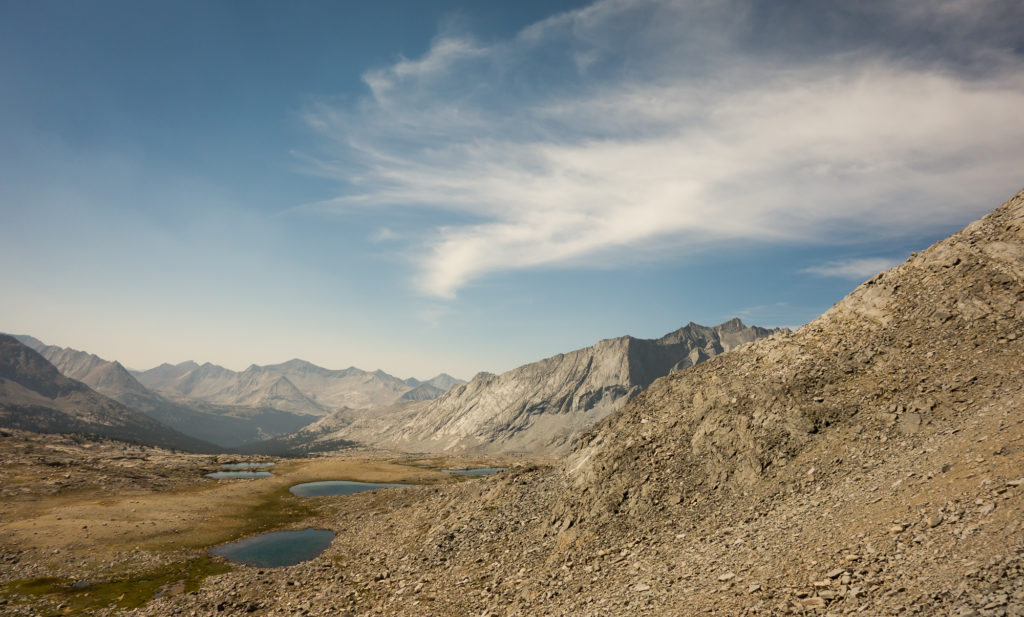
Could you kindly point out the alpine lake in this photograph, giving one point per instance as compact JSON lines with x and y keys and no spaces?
{"x":285,"y":548}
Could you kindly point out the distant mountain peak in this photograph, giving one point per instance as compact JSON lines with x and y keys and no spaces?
{"x":35,"y":396}
{"x":29,"y":341}
{"x":542,"y":406}
{"x":733,"y":324}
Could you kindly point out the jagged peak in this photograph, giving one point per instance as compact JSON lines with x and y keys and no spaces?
{"x":733,"y":324}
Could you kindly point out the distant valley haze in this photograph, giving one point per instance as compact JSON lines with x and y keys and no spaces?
{"x":455,"y":187}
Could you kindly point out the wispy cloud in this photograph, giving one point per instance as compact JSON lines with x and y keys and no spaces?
{"x":853,"y":268}
{"x":384,"y":234}
{"x":630,"y":127}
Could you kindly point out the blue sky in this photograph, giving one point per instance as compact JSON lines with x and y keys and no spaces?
{"x":464,"y":186}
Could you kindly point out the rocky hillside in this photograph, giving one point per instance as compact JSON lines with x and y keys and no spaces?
{"x":223,"y":425}
{"x":540,"y":407}
{"x":871,"y":463}
{"x":106,"y":377}
{"x":34,"y":396}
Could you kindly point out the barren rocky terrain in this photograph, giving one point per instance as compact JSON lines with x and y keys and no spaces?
{"x":870,"y":463}
{"x":537,"y":408}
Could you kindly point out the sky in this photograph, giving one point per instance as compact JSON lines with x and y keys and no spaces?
{"x":466,"y":186}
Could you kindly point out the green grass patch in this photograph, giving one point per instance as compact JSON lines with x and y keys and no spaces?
{"x":54,"y":596}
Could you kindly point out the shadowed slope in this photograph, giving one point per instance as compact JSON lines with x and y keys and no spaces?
{"x":35,"y":396}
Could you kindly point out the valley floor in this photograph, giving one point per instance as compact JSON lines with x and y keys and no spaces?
{"x":126,"y":523}
{"x":870,"y":522}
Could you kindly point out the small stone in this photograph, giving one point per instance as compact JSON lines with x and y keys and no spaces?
{"x":728,"y":576}
{"x":934,"y":521}
{"x":753,"y":588}
{"x":835,"y":573}
{"x":641,"y":587}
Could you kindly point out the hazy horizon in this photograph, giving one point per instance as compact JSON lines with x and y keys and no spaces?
{"x":460,"y":186}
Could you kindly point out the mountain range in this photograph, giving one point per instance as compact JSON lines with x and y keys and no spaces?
{"x":229,"y":408}
{"x":295,"y":386}
{"x":869,"y":463}
{"x":35,"y":396}
{"x":540,"y":407}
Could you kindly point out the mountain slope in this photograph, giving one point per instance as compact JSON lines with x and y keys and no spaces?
{"x":871,"y":463}
{"x":164,"y":375}
{"x":108,"y":378}
{"x":422,"y":392}
{"x":351,"y":387}
{"x":914,"y":345}
{"x":35,"y":396}
{"x":883,"y":442}
{"x":226,"y":426}
{"x":538,"y":407}
{"x":444,"y":382}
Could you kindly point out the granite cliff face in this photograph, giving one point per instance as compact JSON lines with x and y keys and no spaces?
{"x":539,"y":407}
{"x":35,"y":396}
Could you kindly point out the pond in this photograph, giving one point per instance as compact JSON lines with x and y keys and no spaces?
{"x":336,"y":487}
{"x":246,"y":465}
{"x":277,"y":548}
{"x":480,"y":471}
{"x":221,"y":475}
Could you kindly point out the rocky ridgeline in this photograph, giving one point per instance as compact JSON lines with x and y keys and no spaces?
{"x":34,"y":396}
{"x":295,"y":386}
{"x":924,"y":344}
{"x":872,"y":463}
{"x":540,"y":407}
{"x":226,"y":426}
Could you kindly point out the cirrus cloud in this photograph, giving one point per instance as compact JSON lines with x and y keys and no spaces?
{"x":861,"y":268}
{"x":632,"y":129}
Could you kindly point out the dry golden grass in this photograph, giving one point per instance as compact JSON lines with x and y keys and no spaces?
{"x":190,"y":517}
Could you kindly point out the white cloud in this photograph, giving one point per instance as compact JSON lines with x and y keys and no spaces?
{"x":629,"y":128}
{"x":860,"y":269}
